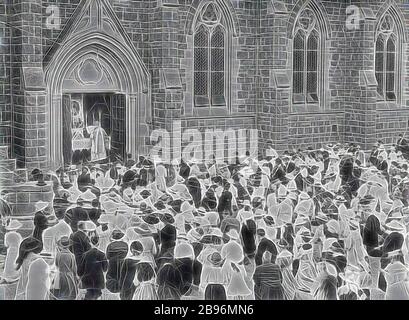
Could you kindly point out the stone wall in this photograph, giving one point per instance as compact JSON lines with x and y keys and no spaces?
{"x":260,"y":52}
{"x":5,"y":90}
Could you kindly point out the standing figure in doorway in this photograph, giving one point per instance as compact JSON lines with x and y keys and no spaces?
{"x":100,"y":142}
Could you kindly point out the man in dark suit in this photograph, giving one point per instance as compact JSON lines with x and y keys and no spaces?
{"x":92,"y":271}
{"x":116,"y":253}
{"x":225,"y":202}
{"x":80,"y":244}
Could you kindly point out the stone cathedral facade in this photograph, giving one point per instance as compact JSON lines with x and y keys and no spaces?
{"x":301,"y":72}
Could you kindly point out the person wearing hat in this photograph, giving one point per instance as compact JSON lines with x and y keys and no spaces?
{"x":29,"y":251}
{"x":80,"y":243}
{"x":396,"y":275}
{"x":38,"y":280}
{"x":65,"y":284}
{"x":91,"y":269}
{"x":268,"y":280}
{"x":116,"y":253}
{"x":351,"y":288}
{"x":40,"y":224}
{"x":12,"y":242}
{"x":225,"y":202}
{"x":189,"y":266}
{"x":212,"y":279}
{"x":290,"y":286}
{"x":145,"y":281}
{"x":167,"y":236}
{"x":52,"y":234}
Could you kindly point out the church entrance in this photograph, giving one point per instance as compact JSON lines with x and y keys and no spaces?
{"x":94,"y":128}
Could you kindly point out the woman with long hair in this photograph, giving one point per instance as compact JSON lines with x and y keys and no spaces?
{"x":290,"y":285}
{"x":145,"y":281}
{"x":28,"y":252}
{"x":169,"y":282}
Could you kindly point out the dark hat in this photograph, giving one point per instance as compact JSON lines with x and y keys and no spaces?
{"x":151,"y":218}
{"x":145,"y":193}
{"x":215,"y":258}
{"x":167,"y":218}
{"x":31,"y":244}
{"x":117,"y":235}
{"x":36,"y":171}
{"x":269,"y":220}
{"x":129,"y":176}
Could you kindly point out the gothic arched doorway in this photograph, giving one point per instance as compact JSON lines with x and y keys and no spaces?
{"x":96,"y":79}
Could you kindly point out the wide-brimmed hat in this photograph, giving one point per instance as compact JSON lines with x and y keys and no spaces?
{"x":201,"y":211}
{"x":394,"y":225}
{"x":13,"y":225}
{"x":143,"y":229}
{"x":246,"y":203}
{"x":396,"y":267}
{"x":64,"y":242}
{"x":106,"y":218}
{"x":117,"y":235}
{"x":166,"y":218}
{"x":340,"y":198}
{"x":41,"y":205}
{"x":151,"y":218}
{"x":233,"y":234}
{"x":87,"y":196}
{"x":89,"y":226}
{"x":215,"y":258}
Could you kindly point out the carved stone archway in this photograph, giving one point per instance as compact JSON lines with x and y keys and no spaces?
{"x":94,"y":36}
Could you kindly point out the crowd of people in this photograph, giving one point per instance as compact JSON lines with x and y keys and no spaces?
{"x":327,"y":224}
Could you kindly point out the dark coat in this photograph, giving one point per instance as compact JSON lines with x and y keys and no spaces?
{"x":190,"y":271}
{"x":167,"y":238}
{"x":116,"y":254}
{"x":128,"y":271}
{"x":80,"y":245}
{"x":92,"y":270}
{"x":225,"y":202}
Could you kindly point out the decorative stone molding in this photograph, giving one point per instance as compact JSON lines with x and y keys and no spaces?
{"x":94,"y":52}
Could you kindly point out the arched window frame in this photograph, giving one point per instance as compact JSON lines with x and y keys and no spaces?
{"x":308,"y":25}
{"x":387,"y":62}
{"x":214,"y":96}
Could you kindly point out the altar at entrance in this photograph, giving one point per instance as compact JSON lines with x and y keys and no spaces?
{"x":93,"y":128}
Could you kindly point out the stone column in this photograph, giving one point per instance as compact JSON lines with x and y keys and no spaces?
{"x":29,"y":92}
{"x":360,"y":115}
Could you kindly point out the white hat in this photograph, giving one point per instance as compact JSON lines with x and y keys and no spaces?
{"x":13,"y":225}
{"x":41,"y":205}
{"x":233,"y":234}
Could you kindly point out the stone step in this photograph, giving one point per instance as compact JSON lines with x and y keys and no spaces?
{"x":8,"y":165}
{"x":4,"y":152}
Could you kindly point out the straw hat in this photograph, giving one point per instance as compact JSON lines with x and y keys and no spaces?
{"x":89,"y":226}
{"x":13,"y":225}
{"x":215,"y":259}
{"x":396,"y":267}
{"x":41,"y":205}
{"x":142,"y":229}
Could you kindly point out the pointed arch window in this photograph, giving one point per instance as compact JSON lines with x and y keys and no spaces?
{"x":386,"y":56}
{"x":210,"y":59}
{"x":306,"y":59}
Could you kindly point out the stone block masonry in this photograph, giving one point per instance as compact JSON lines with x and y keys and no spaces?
{"x":258,"y":46}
